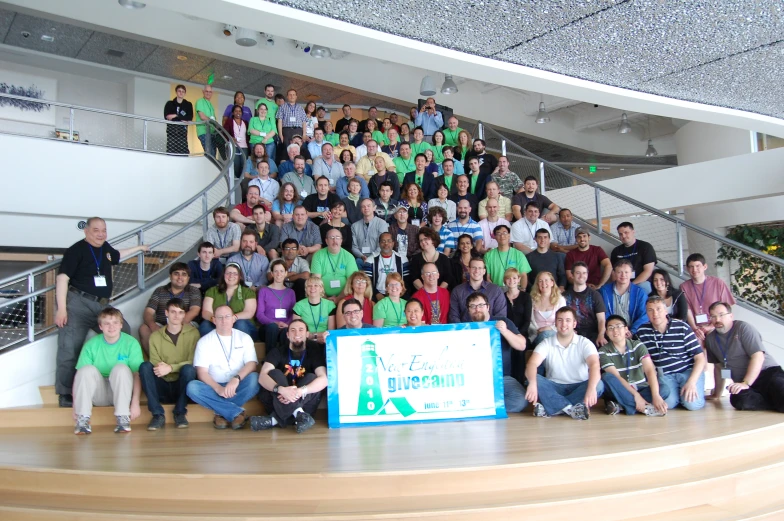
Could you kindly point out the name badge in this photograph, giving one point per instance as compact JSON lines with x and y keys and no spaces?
{"x":248,"y":283}
{"x":701,"y":319}
{"x":280,"y":313}
{"x":303,"y":194}
{"x":726,"y":374}
{"x":263,"y":134}
{"x":331,"y":182}
{"x":100,"y":281}
{"x":334,"y":283}
{"x":634,"y":275}
{"x":293,"y":119}
{"x":365,"y":249}
{"x":415,"y":222}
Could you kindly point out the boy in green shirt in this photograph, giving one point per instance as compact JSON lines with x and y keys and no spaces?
{"x":333,"y":264}
{"x":107,"y":373}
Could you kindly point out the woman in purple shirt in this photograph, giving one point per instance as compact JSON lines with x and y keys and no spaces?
{"x":239,"y":99}
{"x":275,"y":306}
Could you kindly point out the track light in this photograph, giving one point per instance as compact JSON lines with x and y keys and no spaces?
{"x":302,"y":46}
{"x":651,"y":152}
{"x":541,"y":116}
{"x":246,"y":37}
{"x":229,"y":29}
{"x":319,"y":51}
{"x":449,"y":86}
{"x":132,"y":4}
{"x":268,"y":39}
{"x":427,"y":87}
{"x":624,"y":127}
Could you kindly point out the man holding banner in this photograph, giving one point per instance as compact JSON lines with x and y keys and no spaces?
{"x":292,"y":378}
{"x":479,"y":311}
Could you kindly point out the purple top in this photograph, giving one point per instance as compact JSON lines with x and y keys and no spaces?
{"x":246,"y":113}
{"x":271,"y":299}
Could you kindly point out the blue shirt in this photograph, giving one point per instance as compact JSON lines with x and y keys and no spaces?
{"x":315,"y":148}
{"x":288,"y":111}
{"x":459,"y":170}
{"x":472,"y":228}
{"x":341,"y":187}
{"x":429,"y":123}
{"x":254,"y":270}
{"x":288,"y":166}
{"x":675,"y":349}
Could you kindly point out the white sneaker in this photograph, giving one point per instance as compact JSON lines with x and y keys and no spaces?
{"x":650,"y":410}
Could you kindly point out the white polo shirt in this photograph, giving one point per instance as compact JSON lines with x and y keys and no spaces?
{"x":224,"y":356}
{"x":525,"y":232}
{"x":566,"y":365}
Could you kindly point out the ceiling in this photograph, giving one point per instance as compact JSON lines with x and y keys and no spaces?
{"x":718,"y":52}
{"x":106,"y":49}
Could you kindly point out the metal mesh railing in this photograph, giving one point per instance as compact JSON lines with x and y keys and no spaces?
{"x":672,"y":238}
{"x":27,"y":299}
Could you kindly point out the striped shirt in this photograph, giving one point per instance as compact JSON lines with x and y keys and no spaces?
{"x":472,"y":228}
{"x":629,"y":364}
{"x":288,"y":111}
{"x":673,"y":351}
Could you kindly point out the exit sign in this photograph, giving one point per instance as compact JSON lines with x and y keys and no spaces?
{"x":592,"y":169}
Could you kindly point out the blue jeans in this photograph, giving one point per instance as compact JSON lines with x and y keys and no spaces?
{"x":514,"y":395}
{"x":160,"y":391}
{"x":615,"y":389}
{"x":228,"y":408}
{"x":271,"y":335}
{"x":245,"y":325}
{"x":271,"y":148}
{"x":675,"y":382}
{"x":555,"y":397}
{"x":209,"y":147}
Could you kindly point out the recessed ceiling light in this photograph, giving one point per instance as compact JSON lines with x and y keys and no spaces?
{"x":47,"y":38}
{"x":182,"y":58}
{"x":132,"y":4}
{"x":226,"y":77}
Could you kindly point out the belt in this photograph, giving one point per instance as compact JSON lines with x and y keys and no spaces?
{"x":89,"y":296}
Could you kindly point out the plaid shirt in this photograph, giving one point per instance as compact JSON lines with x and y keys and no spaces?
{"x":287,"y":111}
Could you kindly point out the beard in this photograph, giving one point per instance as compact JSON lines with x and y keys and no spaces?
{"x":247,"y":252}
{"x":297,"y":347}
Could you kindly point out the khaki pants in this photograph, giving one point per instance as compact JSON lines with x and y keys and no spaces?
{"x":91,"y":388}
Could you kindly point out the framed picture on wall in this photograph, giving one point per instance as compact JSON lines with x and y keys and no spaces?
{"x":29,"y":86}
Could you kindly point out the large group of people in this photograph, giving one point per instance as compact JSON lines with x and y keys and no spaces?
{"x":383,"y":223}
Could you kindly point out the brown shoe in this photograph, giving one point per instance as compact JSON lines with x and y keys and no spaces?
{"x":219,"y":422}
{"x":239,"y":422}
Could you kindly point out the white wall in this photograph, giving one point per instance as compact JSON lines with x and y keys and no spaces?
{"x":696,"y":142}
{"x":128,"y":188}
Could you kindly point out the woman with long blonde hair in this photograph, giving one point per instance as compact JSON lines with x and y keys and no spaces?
{"x":546,"y":299}
{"x":357,"y":287}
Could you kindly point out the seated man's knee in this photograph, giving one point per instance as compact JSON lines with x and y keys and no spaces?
{"x":146,"y":368}
{"x":599,"y":388}
{"x":87,"y":371}
{"x":188,"y":372}
{"x":664,"y":390}
{"x":121,"y":369}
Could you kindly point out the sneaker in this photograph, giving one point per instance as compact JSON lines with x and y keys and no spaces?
{"x":180,"y":421}
{"x":123,"y":424}
{"x":579,"y":412}
{"x":650,"y":410}
{"x":239,"y":422}
{"x":219,"y":422}
{"x":611,"y":408}
{"x":260,"y":423}
{"x":539,"y":411}
{"x":303,"y":422}
{"x":158,"y":421}
{"x":83,"y":425}
{"x":65,"y":400}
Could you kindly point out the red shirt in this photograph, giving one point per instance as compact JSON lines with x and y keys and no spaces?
{"x":245,"y":210}
{"x":438,"y":303}
{"x":593,"y":257}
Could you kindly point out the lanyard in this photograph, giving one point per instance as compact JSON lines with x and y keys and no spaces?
{"x":460,"y":229}
{"x":408,"y":164}
{"x":275,"y":294}
{"x":387,"y":268}
{"x":288,"y":208}
{"x":223,"y":349}
{"x":504,"y":264}
{"x":313,"y":317}
{"x":628,"y":362}
{"x":221,"y":240}
{"x":532,"y":229}
{"x":300,"y":181}
{"x":430,"y":300}
{"x":398,"y":313}
{"x":367,"y":232}
{"x":331,"y":265}
{"x":264,"y":186}
{"x":301,"y":234}
{"x":100,"y":256}
{"x":701,"y":297}
{"x":721,"y":348}
{"x":246,"y":268}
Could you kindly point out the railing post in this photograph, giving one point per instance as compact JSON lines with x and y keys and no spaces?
{"x":231,"y":186}
{"x":30,"y":308}
{"x":598,"y":195}
{"x":70,"y":124}
{"x":503,"y":147}
{"x":140,"y":262}
{"x":542,"y":187}
{"x":679,"y":245}
{"x":144,"y":136}
{"x":205,"y":221}
{"x":481,"y":130}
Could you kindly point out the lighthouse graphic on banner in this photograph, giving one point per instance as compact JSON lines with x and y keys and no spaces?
{"x":370,"y":399}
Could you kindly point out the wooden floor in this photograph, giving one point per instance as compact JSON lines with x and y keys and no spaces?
{"x":714,"y":465}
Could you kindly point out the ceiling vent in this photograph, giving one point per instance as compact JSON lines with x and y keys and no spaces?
{"x":115,"y":54}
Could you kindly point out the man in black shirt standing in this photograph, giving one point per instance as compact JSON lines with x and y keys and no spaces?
{"x":640,"y":253}
{"x":292,"y":378}
{"x":84,"y":286}
{"x":178,"y":109}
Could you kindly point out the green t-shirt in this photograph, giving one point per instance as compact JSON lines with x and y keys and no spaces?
{"x":334,"y":269}
{"x":498,"y":262}
{"x":450,"y":138}
{"x":206,"y":107}
{"x":380,"y":138}
{"x":402,"y":167}
{"x":105,"y":356}
{"x":629,"y":364}
{"x":316,"y":317}
{"x":332,"y":138}
{"x":272,"y":108}
{"x":438,"y":155}
{"x":266,"y":127}
{"x":392,"y":313}
{"x":237,"y":303}
{"x":419,"y":148}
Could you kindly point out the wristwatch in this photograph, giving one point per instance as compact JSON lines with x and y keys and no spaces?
{"x":275,"y":389}
{"x":238,"y":377}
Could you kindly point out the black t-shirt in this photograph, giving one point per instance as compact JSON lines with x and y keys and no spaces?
{"x":312,"y":203}
{"x":182,"y":111}
{"x":640,"y":254}
{"x":586,"y":304}
{"x":310,"y":359}
{"x":487,"y":163}
{"x":345,"y":231}
{"x":472,"y":199}
{"x":506,"y":349}
{"x":522,"y":200}
{"x":82,"y":262}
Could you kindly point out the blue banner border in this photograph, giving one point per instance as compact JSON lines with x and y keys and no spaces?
{"x":333,"y":403}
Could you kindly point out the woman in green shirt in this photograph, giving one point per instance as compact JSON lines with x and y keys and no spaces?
{"x":262,"y":131}
{"x":463,"y":146}
{"x":375,"y":134}
{"x":390,"y":310}
{"x":438,"y":145}
{"x":315,"y":310}
{"x":233,"y":291}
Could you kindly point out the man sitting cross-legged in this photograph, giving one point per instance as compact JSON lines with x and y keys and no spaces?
{"x":166,"y":376}
{"x":224,"y":360}
{"x":292,"y":379}
{"x":107,"y":374}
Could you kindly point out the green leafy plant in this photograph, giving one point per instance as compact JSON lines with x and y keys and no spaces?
{"x":753,"y":278}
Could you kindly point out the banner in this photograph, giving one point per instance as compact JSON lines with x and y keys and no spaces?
{"x":427,"y":373}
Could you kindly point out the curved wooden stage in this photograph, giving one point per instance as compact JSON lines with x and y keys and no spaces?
{"x":716,"y":464}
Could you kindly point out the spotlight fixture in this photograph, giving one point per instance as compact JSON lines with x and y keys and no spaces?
{"x":427,"y":87}
{"x":268,"y":39}
{"x":319,"y":51}
{"x":449,"y":86}
{"x":302,"y":46}
{"x":624,"y":127}
{"x":541,"y":116}
{"x":246,"y":37}
{"x":132,"y":4}
{"x":229,"y":29}
{"x":651,"y":152}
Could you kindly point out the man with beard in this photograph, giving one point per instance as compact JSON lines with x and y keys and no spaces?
{"x":292,"y":379}
{"x":254,"y":265}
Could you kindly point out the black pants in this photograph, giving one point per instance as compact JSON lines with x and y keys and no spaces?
{"x":283,"y":411}
{"x":177,"y":139}
{"x":288,"y":133}
{"x":160,"y":391}
{"x":82,"y":316}
{"x":765,"y":394}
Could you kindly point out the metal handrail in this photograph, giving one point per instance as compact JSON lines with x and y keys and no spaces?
{"x":654,"y":211}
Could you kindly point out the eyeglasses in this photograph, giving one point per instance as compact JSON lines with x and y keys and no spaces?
{"x":472,"y":307}
{"x":430,"y":273}
{"x":353,"y":312}
{"x":360,"y":281}
{"x":716,"y":317}
{"x":290,"y":248}
{"x":476,"y":268}
{"x":224,"y":317}
{"x":613,"y":328}
{"x":232,"y":274}
{"x":394,"y":285}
